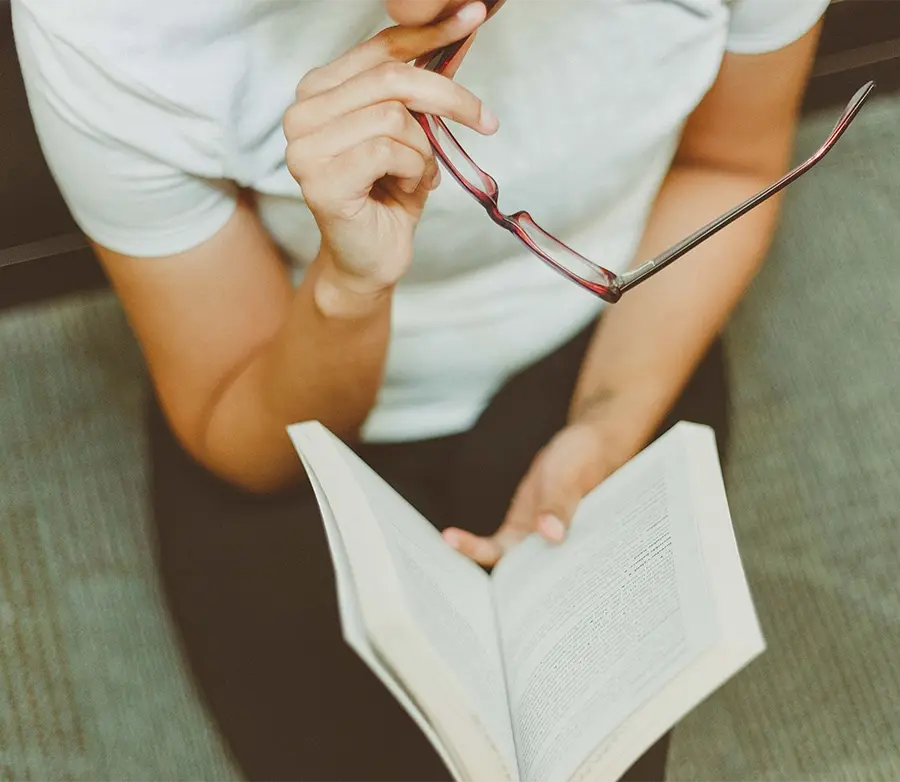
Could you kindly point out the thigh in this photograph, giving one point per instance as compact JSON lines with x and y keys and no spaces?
{"x":251,"y":590}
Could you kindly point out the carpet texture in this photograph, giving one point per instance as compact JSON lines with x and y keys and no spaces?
{"x":91,"y":685}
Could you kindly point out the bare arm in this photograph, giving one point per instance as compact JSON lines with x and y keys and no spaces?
{"x":645,"y":347}
{"x":235,"y":354}
{"x":737,"y":141}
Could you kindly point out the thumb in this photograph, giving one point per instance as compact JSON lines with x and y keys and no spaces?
{"x":572,"y":466}
{"x":554,"y":509}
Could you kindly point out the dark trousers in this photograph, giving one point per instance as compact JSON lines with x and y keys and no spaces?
{"x":251,"y":589}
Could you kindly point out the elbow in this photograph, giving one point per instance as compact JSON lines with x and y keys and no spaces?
{"x":255,"y":457}
{"x":241,"y":463}
{"x":262,"y":485}
{"x":260,"y":476}
{"x":239,"y":433}
{"x":252,"y":457}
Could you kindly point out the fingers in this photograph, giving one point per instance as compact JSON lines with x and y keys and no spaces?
{"x":518,"y":516}
{"x":516,"y":527}
{"x":568,"y":469}
{"x":395,"y":44}
{"x":487,"y":551}
{"x":571,"y":465}
{"x":345,"y":182}
{"x":390,"y":119}
{"x":363,"y":163}
{"x":484,"y":551}
{"x":521,"y":522}
{"x":406,"y":43}
{"x":349,"y":155}
{"x":360,"y":104}
{"x":417,"y":89}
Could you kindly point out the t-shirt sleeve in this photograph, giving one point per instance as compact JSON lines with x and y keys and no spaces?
{"x":123,"y":196}
{"x":760,"y":26}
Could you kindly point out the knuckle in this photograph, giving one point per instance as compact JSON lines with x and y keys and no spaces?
{"x":393,"y":117}
{"x":297,"y":161}
{"x":416,"y":169}
{"x":291,"y":123}
{"x":393,"y":74}
{"x":309,"y":84}
{"x":423,"y":144}
{"x":316,"y":192}
{"x":382,"y":148}
{"x":311,"y":193}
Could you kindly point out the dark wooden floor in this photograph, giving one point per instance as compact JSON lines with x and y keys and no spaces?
{"x":43,"y":255}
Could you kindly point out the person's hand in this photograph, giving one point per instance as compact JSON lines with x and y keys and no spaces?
{"x":363,"y":163}
{"x":573,"y":463}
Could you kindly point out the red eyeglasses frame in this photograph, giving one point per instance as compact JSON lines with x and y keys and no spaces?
{"x":600,"y":281}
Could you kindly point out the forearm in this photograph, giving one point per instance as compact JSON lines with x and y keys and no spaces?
{"x":647,"y":346}
{"x":325,"y":363}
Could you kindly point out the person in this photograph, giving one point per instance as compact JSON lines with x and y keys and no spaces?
{"x":272,"y":217}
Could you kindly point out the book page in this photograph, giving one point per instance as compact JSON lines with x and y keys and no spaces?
{"x":354,"y":629}
{"x":419,"y":589}
{"x":451,"y":601}
{"x":594,"y":629}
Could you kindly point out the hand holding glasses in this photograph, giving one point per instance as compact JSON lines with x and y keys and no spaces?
{"x":604,"y":283}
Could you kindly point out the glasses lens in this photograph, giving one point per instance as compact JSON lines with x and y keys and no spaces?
{"x":596,"y":278}
{"x":459,"y":162}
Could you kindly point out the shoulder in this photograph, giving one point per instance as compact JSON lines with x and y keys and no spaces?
{"x":133,"y":146}
{"x":114,"y":68}
{"x":761,"y":26}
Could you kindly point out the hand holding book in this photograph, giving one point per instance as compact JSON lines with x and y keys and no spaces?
{"x":569,"y":661}
{"x":574,"y":462}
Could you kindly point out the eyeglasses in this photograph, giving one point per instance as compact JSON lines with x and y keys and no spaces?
{"x":604,"y":283}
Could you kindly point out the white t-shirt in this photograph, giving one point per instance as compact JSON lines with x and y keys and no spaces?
{"x":152,"y":113}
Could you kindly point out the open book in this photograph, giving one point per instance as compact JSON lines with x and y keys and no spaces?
{"x":566,"y":662}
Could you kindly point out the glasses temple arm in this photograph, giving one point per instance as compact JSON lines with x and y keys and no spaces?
{"x":442,"y":57}
{"x":645,"y":270}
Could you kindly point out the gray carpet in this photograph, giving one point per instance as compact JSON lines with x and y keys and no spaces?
{"x":90,"y":682}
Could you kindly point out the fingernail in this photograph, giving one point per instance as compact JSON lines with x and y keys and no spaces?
{"x":436,"y":179}
{"x":488,"y":120}
{"x":469,"y":12}
{"x":552,"y":528}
